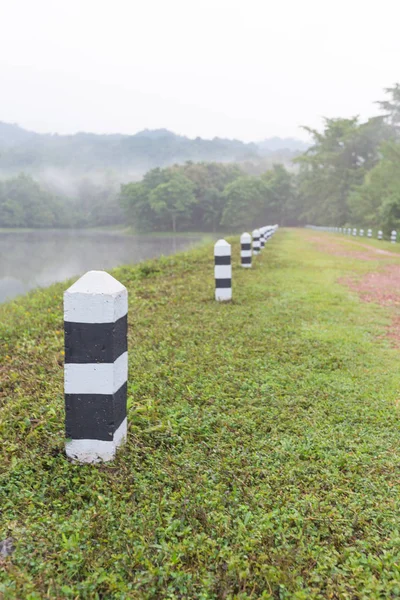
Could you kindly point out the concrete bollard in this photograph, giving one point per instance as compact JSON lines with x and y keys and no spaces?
{"x":256,"y":242}
{"x":349,"y":231}
{"x":245,"y":250}
{"x":223,"y":271}
{"x":369,"y":233}
{"x":393,"y":237}
{"x":354,"y":231}
{"x":380,"y":235}
{"x":96,"y":367}
{"x":361,"y":232}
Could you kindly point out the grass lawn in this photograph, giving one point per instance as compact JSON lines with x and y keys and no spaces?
{"x":263,"y":453}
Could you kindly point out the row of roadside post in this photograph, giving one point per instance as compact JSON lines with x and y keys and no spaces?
{"x":250,"y":245}
{"x":96,"y":352}
{"x":356,"y":232}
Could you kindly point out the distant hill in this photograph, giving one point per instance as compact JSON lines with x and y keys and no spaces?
{"x":276,"y":143}
{"x":81,"y":153}
{"x":13,"y":135}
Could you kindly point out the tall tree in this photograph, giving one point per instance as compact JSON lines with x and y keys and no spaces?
{"x":173,"y":198}
{"x":377,"y":201}
{"x":335,"y":164}
{"x":245,"y":202}
{"x":391,"y":108}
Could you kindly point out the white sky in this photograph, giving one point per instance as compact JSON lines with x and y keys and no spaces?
{"x":231,"y":68}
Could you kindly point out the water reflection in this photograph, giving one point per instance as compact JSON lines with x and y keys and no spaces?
{"x":29,"y":259}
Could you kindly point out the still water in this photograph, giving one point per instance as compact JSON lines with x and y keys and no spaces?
{"x":29,"y":259}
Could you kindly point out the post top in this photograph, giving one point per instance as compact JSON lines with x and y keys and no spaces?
{"x":220,"y":243}
{"x":245,"y":236}
{"x":96,"y":282}
{"x":256,"y":232}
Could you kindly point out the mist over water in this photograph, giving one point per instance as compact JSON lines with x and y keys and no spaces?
{"x":30,"y":259}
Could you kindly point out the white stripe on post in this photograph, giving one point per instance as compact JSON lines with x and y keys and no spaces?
{"x":245,"y":250}
{"x":256,"y":242}
{"x":96,"y":367}
{"x":222,"y":271}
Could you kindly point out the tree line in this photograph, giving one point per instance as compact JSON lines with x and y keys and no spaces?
{"x":208,"y":196}
{"x":24,"y":202}
{"x":350,"y":175}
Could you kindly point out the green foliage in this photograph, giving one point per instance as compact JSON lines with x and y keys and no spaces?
{"x":173,"y":198}
{"x":334,"y":165}
{"x":26,"y":203}
{"x":282,"y":197}
{"x":23,"y":203}
{"x":245,"y":202}
{"x":377,"y":200}
{"x":203,"y":196}
{"x":262,"y":457}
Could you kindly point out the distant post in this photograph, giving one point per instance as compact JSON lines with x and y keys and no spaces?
{"x":393,"y":237}
{"x":369,"y":233}
{"x":256,"y":242}
{"x":245,"y":250}
{"x":354,"y":231}
{"x":262,"y":238}
{"x":361,"y":232}
{"x":222,"y":271}
{"x":96,"y":367}
{"x":380,"y":235}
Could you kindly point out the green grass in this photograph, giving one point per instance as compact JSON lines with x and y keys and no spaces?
{"x":263,"y":452}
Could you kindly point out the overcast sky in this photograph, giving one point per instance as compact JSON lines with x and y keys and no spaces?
{"x":247,"y":69}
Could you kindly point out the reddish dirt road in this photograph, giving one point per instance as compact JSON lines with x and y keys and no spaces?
{"x":381,"y":286}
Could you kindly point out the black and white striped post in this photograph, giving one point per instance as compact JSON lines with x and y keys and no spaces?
{"x":380,"y":235}
{"x":96,"y":367}
{"x":262,"y":238}
{"x":393,"y":237}
{"x":222,"y":271}
{"x":245,"y":250}
{"x":369,"y":233}
{"x":361,"y":232}
{"x":256,"y":242}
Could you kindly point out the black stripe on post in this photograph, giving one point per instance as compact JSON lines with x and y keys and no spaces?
{"x":95,"y":342}
{"x":94,"y":416}
{"x":246,"y":260}
{"x":223,"y":283}
{"x":245,"y":246}
{"x":222,"y":260}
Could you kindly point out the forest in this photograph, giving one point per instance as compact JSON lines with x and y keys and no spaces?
{"x":349,"y":175}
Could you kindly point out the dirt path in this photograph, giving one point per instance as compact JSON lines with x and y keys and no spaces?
{"x":336,"y":247}
{"x":381,"y":287}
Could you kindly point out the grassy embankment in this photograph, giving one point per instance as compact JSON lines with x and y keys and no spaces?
{"x":263,"y":452}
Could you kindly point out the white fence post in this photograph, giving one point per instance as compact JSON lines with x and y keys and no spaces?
{"x":380,"y":235}
{"x":393,"y":237}
{"x":222,"y":271}
{"x":245,"y":250}
{"x":369,"y":233}
{"x":96,"y":367}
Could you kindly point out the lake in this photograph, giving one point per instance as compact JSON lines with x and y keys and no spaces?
{"x":30,"y":259}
